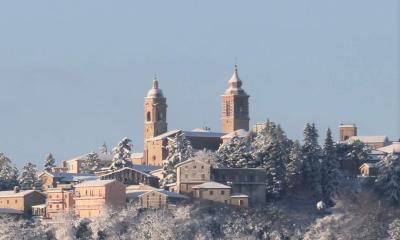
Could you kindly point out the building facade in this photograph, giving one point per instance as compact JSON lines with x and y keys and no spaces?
{"x":191,"y":173}
{"x":235,"y":106}
{"x":93,"y":198}
{"x":59,"y":201}
{"x":21,"y":200}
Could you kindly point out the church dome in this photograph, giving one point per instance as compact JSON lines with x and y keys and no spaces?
{"x":235,"y":85}
{"x":155,"y":92}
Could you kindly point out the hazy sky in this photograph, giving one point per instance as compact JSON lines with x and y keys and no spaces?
{"x":73,"y":74}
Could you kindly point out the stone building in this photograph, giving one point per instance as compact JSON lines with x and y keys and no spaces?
{"x":160,"y":198}
{"x":59,"y":201}
{"x":248,"y":181}
{"x":217,"y":192}
{"x":93,"y":198}
{"x":191,"y":173}
{"x":369,"y":169}
{"x":234,"y":116}
{"x":348,"y":133}
{"x":21,"y":200}
{"x":51,"y":180}
{"x":235,"y":106}
{"x":138,"y":174}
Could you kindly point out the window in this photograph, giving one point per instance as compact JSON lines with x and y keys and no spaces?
{"x":194,"y":167}
{"x":16,"y":201}
{"x":203,"y":177}
{"x":211,"y":192}
{"x":51,"y":206}
{"x":202,"y":167}
{"x":186,"y":176}
{"x":222,"y":192}
{"x":8,"y":201}
{"x":148,"y":118}
{"x":241,"y":202}
{"x":228,"y":108}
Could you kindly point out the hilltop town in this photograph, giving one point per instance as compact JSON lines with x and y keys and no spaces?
{"x":241,"y":169}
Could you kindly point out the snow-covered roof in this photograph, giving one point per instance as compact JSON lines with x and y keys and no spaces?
{"x":165,"y":135}
{"x":241,"y":133}
{"x":347,"y":125}
{"x":239,"y":195}
{"x":145,"y":168}
{"x":369,"y":139}
{"x":10,"y":211}
{"x":392,"y":148}
{"x":71,"y":177}
{"x":21,"y":193}
{"x":207,"y":185}
{"x":235,"y":84}
{"x":203,"y":134}
{"x":95,"y":183}
{"x":171,"y":194}
{"x":155,"y":92}
{"x":134,"y":195}
{"x":137,"y":155}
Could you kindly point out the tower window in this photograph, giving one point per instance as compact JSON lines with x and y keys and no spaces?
{"x":228,"y":108}
{"x":148,"y":116}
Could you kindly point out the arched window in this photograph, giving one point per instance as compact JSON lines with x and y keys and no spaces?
{"x":148,"y":117}
{"x":160,"y":116}
{"x":228,"y":108}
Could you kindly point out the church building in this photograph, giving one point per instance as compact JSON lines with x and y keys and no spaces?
{"x":234,"y":117}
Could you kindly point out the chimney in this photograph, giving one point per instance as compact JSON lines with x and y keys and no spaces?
{"x":16,"y":189}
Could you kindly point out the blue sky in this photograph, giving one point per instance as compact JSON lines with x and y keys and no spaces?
{"x":73,"y":74}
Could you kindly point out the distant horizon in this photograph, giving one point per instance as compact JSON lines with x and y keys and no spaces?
{"x":74,"y":75}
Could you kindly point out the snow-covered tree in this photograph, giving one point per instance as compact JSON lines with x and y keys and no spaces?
{"x":206,"y":156}
{"x":122,"y":155}
{"x":388,"y":179}
{"x":235,"y":154}
{"x":352,"y":155}
{"x":104,"y":149}
{"x":270,"y":150}
{"x":91,"y":163}
{"x":29,"y":177}
{"x":330,"y":169}
{"x":50,"y":162}
{"x":179,"y":151}
{"x":311,"y":152}
{"x":294,"y":167}
{"x":394,"y":229}
{"x":8,"y":173}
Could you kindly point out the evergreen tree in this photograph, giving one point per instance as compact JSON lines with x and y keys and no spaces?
{"x":270,"y":151}
{"x":352,"y":155}
{"x":49,"y":162}
{"x":388,"y":179}
{"x":29,"y":178}
{"x":394,"y":229}
{"x":8,"y":173}
{"x":311,"y":152}
{"x":104,"y":149}
{"x":122,"y":155}
{"x":235,"y":154}
{"x":179,"y":151}
{"x":330,"y":171}
{"x":294,"y":167}
{"x":91,"y":163}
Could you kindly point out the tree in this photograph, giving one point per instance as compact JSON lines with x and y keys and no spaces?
{"x":394,"y":229}
{"x":235,"y":154}
{"x":311,"y":152}
{"x":388,"y":179}
{"x":294,"y":166}
{"x":8,"y":173}
{"x":91,"y":163}
{"x":270,"y":151}
{"x":122,"y":155}
{"x":329,"y":169}
{"x":49,"y":162}
{"x":351,"y":156}
{"x":104,"y":149}
{"x":29,"y":178}
{"x":179,"y":151}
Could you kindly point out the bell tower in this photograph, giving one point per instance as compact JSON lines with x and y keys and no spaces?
{"x":235,"y":106}
{"x":155,"y":112}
